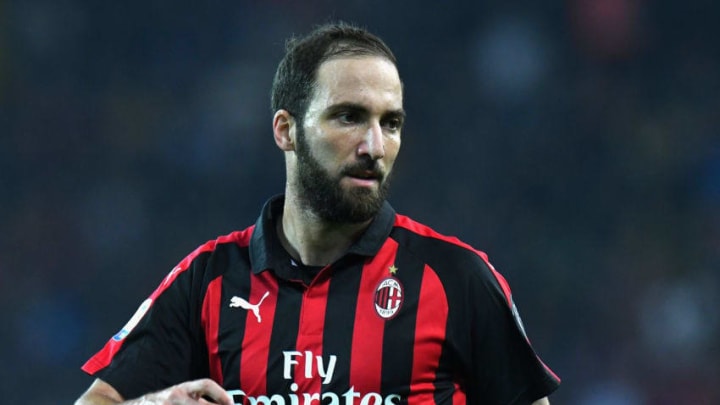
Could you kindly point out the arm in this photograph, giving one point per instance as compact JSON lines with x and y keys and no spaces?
{"x":100,"y":393}
{"x":191,"y":393}
{"x":502,"y":358}
{"x":138,"y":367}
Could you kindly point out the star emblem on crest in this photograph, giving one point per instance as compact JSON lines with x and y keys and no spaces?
{"x":393,"y":269}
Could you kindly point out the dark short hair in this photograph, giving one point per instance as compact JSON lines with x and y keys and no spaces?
{"x":296,"y":74}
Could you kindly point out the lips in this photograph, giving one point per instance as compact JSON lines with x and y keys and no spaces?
{"x":364,"y":172}
{"x":366,"y":175}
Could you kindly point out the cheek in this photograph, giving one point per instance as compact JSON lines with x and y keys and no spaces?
{"x":392,"y":148}
{"x":330,"y":155}
{"x":337,"y":149}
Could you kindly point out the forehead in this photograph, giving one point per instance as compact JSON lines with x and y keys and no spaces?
{"x":369,"y":80}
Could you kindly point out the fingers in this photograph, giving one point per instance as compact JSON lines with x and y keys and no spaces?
{"x":203,"y":401}
{"x":209,"y":389}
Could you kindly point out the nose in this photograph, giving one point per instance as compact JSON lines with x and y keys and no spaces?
{"x":373,"y":142}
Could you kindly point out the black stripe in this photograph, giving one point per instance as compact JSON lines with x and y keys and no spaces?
{"x":339,"y":322}
{"x":398,"y":340}
{"x":284,"y":334}
{"x":231,"y":331}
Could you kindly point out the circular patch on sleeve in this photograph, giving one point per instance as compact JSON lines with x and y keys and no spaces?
{"x":132,"y":323}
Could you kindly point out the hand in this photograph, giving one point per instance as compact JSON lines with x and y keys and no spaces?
{"x":197,"y":392}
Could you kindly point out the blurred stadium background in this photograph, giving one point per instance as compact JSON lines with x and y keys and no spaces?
{"x":576,"y":142}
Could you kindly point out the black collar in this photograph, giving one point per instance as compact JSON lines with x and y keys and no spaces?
{"x":266,"y":252}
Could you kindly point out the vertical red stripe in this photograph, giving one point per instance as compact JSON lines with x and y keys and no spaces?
{"x":429,"y":336}
{"x":310,"y":336}
{"x":211,"y":325}
{"x":256,"y":342}
{"x":369,"y":327}
{"x":458,"y":397}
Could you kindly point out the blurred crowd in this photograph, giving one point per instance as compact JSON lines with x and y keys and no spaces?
{"x":576,"y":142}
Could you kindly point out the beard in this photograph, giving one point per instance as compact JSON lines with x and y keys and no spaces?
{"x":322,"y":193}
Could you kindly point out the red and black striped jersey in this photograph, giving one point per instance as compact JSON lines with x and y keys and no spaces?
{"x":407,"y":316}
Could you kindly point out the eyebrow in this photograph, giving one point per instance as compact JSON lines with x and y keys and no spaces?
{"x":399,"y":113}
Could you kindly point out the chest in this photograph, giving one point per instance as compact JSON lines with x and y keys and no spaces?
{"x":366,"y":330}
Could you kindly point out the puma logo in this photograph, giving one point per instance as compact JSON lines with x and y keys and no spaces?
{"x":237,"y":302}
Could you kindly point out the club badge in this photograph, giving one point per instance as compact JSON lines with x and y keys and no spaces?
{"x":388,"y":297}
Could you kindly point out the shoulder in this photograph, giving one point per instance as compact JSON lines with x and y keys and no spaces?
{"x":448,"y":256}
{"x":428,"y":242}
{"x":217,"y":255}
{"x":467,"y":276}
{"x":233,"y":240}
{"x":455,"y":262}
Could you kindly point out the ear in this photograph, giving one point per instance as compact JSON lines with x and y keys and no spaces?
{"x":284,"y":130}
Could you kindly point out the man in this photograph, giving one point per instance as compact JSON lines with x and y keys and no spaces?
{"x":331,"y":297}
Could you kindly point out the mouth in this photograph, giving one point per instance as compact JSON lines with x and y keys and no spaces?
{"x":365,"y":175}
{"x":365,"y":178}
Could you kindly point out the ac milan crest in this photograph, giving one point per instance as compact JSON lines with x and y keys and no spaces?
{"x":388,"y":297}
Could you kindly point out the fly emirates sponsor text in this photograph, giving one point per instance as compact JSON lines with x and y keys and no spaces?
{"x":323,"y":369}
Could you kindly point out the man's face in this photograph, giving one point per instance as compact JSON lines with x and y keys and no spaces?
{"x":349,"y":139}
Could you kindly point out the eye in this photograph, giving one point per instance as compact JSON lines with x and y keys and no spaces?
{"x":347,"y":117}
{"x":393,"y":124}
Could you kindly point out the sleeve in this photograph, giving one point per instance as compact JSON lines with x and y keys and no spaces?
{"x":504,"y":368}
{"x":162,"y":344}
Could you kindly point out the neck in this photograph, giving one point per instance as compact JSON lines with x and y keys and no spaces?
{"x":310,"y":239}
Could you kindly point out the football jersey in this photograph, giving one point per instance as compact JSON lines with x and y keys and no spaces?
{"x":406,"y":315}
